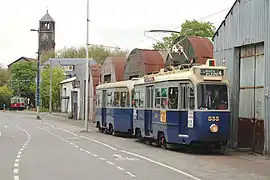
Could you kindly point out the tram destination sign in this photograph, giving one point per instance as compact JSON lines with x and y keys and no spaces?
{"x":212,"y":72}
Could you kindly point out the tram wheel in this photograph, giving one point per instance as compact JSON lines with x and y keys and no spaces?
{"x":163,"y":142}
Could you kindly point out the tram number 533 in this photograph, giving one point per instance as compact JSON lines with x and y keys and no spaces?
{"x":213,"y":118}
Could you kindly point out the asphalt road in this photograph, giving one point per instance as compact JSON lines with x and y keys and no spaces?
{"x":55,"y":149}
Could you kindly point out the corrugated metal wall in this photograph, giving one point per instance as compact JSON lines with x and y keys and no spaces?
{"x":246,"y":23}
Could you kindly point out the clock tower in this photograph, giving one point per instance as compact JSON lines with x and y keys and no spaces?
{"x":46,"y":33}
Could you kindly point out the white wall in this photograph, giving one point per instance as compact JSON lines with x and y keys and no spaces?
{"x":66,"y":103}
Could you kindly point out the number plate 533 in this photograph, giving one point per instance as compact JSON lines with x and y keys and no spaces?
{"x":213,"y":118}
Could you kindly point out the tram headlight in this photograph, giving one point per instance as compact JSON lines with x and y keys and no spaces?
{"x":214,"y":128}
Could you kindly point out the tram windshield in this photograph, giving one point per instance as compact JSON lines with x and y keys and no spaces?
{"x":212,"y":96}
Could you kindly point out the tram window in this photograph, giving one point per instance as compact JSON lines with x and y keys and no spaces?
{"x":191,"y":98}
{"x":173,"y":98}
{"x":212,"y":96}
{"x":123,"y":99}
{"x":161,"y":96}
{"x":128,"y":99}
{"x":149,"y":96}
{"x":184,"y":96}
{"x":116,"y":102}
{"x":109,"y":99}
{"x":138,"y":98}
{"x":98,"y":99}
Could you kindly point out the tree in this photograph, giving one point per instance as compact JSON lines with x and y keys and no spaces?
{"x":47,"y":55}
{"x":188,"y":28}
{"x":4,"y":76}
{"x":5,"y":95}
{"x":23,"y":76}
{"x":97,"y":53}
{"x":57,"y":77}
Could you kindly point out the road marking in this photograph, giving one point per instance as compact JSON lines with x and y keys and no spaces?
{"x":94,"y":155}
{"x":132,"y":175}
{"x":0,"y":134}
{"x":69,"y":132}
{"x":109,"y":162}
{"x":48,"y":124}
{"x":71,"y":143}
{"x":5,"y":126}
{"x":102,"y":159}
{"x":161,"y":164}
{"x":76,"y":146}
{"x":82,"y":149}
{"x":99,"y":142}
{"x":16,"y":164}
{"x":15,"y":171}
{"x":118,"y":167}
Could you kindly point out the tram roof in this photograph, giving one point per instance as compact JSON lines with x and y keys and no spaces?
{"x":120,"y":84}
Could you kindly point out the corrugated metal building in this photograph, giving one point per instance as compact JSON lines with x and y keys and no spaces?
{"x":197,"y":48}
{"x":242,"y":40}
{"x":143,"y":61}
{"x":112,"y":69}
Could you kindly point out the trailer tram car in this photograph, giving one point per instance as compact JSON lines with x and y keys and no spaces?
{"x":113,"y":109}
{"x":184,"y":105}
{"x":17,"y":103}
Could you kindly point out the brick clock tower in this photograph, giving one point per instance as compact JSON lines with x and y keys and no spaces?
{"x":46,"y":33}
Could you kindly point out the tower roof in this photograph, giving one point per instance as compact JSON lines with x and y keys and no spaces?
{"x":47,"y":18}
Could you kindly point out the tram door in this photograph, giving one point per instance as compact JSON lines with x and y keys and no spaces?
{"x":104,"y":103}
{"x":148,"y":110}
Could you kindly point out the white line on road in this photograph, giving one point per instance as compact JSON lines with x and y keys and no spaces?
{"x":94,"y":155}
{"x":48,"y":124}
{"x":99,"y":142}
{"x":102,"y":159}
{"x":161,"y":164}
{"x":118,"y":167}
{"x":76,"y":146}
{"x":109,"y":162}
{"x":16,"y":164}
{"x":15,"y":171}
{"x":132,"y":175}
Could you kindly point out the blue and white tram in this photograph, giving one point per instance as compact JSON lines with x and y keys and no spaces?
{"x":183,"y":106}
{"x":113,"y":108}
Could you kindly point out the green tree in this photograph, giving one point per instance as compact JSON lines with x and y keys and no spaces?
{"x":57,"y":77}
{"x":188,"y":28}
{"x":47,"y":55}
{"x":5,"y":95}
{"x":4,"y":76}
{"x":23,"y":76}
{"x":97,"y":53}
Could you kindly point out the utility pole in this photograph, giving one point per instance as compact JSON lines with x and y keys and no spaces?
{"x":38,"y":79}
{"x":50,"y":108}
{"x":86,"y":69}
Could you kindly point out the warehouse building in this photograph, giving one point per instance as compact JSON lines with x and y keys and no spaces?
{"x":242,"y":40}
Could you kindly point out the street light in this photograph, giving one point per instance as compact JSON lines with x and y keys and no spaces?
{"x":86,"y":70}
{"x":38,"y":78}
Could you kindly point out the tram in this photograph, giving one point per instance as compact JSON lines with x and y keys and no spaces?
{"x":18,"y":103}
{"x":113,"y":107}
{"x":186,"y":105}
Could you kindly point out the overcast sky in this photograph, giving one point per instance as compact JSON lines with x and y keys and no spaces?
{"x":114,"y":22}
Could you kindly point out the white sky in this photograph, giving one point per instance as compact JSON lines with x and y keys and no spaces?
{"x":114,"y":22}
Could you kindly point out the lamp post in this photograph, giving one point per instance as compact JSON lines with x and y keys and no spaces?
{"x":86,"y":70}
{"x":38,"y":79}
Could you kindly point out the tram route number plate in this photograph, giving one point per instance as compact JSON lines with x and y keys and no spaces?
{"x":212,"y":72}
{"x":190,"y":119}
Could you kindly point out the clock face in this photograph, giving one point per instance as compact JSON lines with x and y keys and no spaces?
{"x":45,"y":36}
